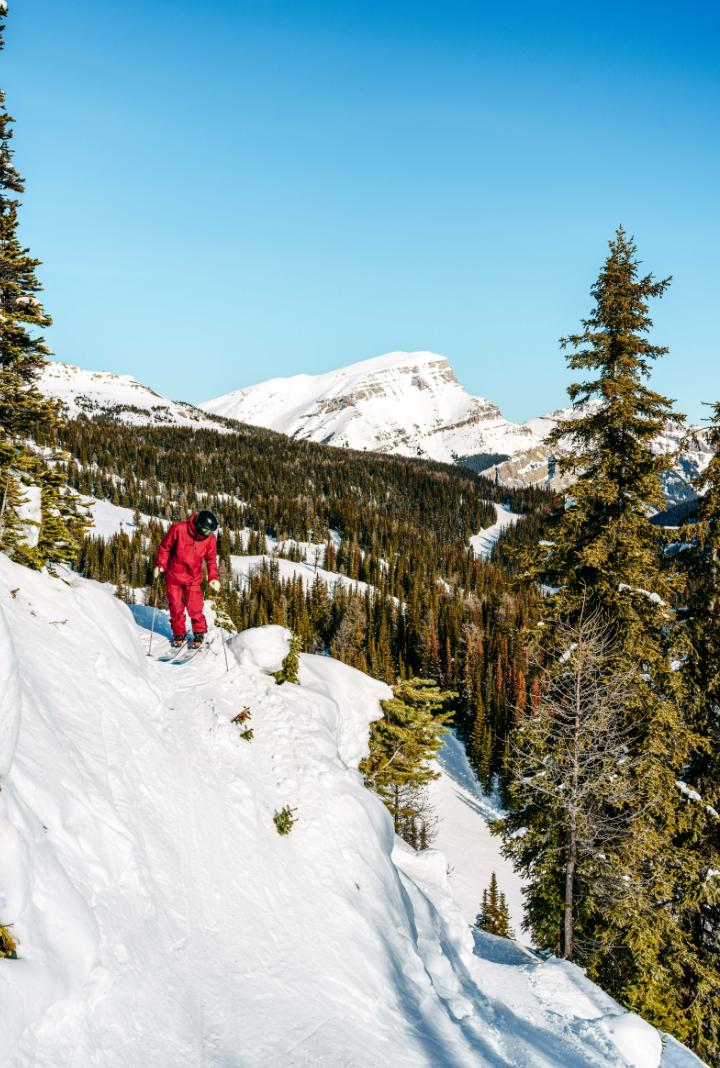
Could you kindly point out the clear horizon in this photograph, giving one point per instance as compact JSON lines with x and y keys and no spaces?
{"x":242,"y":191}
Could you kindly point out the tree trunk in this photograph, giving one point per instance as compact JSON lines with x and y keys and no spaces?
{"x":569,"y":880}
{"x":4,"y":501}
{"x":574,"y":802}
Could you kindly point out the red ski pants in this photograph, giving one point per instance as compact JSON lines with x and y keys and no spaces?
{"x":182,"y":597}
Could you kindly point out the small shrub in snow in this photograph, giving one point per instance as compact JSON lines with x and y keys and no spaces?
{"x":289,"y":670}
{"x":7,"y":943}
{"x":222,"y":614}
{"x":284,"y":820}
{"x":241,"y":719}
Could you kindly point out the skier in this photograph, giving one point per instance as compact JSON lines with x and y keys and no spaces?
{"x":180,"y":556}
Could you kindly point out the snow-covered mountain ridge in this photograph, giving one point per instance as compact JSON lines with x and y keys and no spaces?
{"x":411,"y":404}
{"x":122,"y":397}
{"x":403,"y":403}
{"x":160,"y":918}
{"x":406,"y":403}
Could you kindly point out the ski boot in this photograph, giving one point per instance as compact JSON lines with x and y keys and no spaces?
{"x":197,"y":640}
{"x":178,"y":641}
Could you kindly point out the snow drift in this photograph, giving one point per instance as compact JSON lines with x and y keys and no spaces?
{"x":162,"y":920}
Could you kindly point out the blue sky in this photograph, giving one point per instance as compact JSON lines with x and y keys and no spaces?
{"x":224,"y":192}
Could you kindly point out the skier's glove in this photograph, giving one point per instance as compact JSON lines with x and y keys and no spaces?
{"x":157,"y":571}
{"x":214,"y":585}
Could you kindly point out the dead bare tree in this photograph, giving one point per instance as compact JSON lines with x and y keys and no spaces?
{"x":571,"y":756}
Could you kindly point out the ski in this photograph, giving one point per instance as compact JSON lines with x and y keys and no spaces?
{"x":172,"y":655}
{"x":189,"y":654}
{"x":180,"y":656}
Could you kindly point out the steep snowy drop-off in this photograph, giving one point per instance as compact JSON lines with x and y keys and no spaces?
{"x":463,"y":835}
{"x":406,"y":403}
{"x":160,"y":918}
{"x":93,"y":393}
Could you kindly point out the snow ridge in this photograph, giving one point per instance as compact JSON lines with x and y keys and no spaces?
{"x":402,"y":403}
{"x":411,"y":404}
{"x":99,"y":393}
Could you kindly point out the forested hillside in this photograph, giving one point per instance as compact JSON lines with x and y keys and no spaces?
{"x":435,"y":608}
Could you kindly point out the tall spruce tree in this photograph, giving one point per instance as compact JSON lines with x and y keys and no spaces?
{"x":23,"y":409}
{"x":602,"y":547}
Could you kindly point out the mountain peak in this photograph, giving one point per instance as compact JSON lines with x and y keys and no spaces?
{"x":406,"y":403}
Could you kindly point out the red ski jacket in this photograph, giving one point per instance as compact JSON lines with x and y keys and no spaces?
{"x":182,"y":551}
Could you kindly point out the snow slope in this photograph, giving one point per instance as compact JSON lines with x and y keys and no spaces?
{"x":407,"y":403}
{"x":242,"y":566}
{"x":483,"y":542}
{"x":93,"y":393}
{"x":160,"y":918}
{"x":464,"y":837}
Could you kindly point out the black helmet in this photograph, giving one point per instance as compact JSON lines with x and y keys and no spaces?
{"x":205,"y":523}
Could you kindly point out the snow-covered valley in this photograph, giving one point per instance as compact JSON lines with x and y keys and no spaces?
{"x":160,"y":918}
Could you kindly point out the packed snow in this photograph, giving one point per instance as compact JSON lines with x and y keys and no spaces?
{"x":161,"y":919}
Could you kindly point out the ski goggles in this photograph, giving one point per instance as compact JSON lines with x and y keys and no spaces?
{"x":205,"y":532}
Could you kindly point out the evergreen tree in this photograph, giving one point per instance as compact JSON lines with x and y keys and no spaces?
{"x":494,"y":916}
{"x":604,"y":541}
{"x":23,"y":410}
{"x":12,"y":529}
{"x":290,"y":665}
{"x":603,"y":547}
{"x":402,"y":744}
{"x":480,"y":746}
